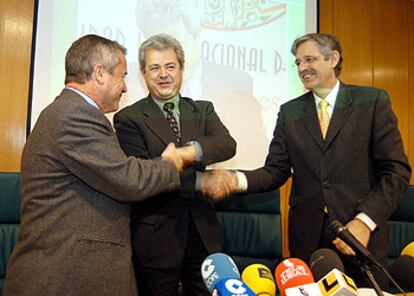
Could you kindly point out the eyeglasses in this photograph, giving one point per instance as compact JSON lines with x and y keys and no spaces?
{"x":308,"y":60}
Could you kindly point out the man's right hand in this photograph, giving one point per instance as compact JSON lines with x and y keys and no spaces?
{"x":218,"y":184}
{"x":187,"y":154}
{"x":170,"y":154}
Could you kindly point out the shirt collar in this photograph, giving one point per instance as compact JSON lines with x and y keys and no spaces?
{"x":175,"y":100}
{"x":330,"y":98}
{"x":87,"y":99}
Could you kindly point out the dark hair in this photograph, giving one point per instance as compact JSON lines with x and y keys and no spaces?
{"x":160,"y":42}
{"x":88,"y":51}
{"x":326,"y":43}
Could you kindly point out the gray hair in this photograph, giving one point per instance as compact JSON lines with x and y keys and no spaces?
{"x":326,"y":44}
{"x":160,"y":42}
{"x":88,"y":51}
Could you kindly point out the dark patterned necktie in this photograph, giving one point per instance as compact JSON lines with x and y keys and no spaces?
{"x":168,"y":107}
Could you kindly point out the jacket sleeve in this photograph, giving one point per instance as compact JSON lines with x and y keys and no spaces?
{"x":277,"y":168}
{"x":217,"y":143}
{"x":89,"y":149}
{"x":392,"y":171}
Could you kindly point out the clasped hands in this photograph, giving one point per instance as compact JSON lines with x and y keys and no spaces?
{"x":179,"y":157}
{"x":217,"y":184}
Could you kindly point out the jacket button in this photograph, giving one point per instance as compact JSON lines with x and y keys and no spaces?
{"x":326,"y":184}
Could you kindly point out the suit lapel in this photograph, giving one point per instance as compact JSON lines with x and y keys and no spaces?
{"x":189,"y":121}
{"x":311,"y":121}
{"x":157,"y":122}
{"x":339,"y":116}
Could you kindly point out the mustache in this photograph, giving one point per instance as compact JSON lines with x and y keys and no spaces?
{"x":307,"y":72}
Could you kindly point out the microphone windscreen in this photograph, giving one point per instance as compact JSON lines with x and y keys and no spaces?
{"x":292,"y":272}
{"x":322,"y":261}
{"x":402,"y":270}
{"x":216,"y":267}
{"x":232,"y":287}
{"x":336,"y":283}
{"x":408,"y":250}
{"x":260,"y":279}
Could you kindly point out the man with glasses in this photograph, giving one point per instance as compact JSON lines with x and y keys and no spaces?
{"x":341,"y":146}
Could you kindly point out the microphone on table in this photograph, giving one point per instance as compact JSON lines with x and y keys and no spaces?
{"x":294,"y":278}
{"x":232,"y":287}
{"x":322,"y":261}
{"x":408,"y":250}
{"x":221,"y":276}
{"x":402,"y":269}
{"x":362,"y":252}
{"x":328,"y":270}
{"x":343,"y":233}
{"x":260,"y":279}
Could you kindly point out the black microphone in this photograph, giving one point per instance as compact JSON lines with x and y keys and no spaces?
{"x":322,"y":261}
{"x":402,"y":271}
{"x":342,"y":232}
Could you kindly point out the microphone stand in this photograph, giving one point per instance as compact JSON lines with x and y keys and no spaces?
{"x":368,"y":274}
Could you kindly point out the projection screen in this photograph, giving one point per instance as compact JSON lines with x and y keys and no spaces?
{"x":237,"y":55}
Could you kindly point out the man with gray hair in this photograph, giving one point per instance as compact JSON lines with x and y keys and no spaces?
{"x":204,"y":79}
{"x":76,"y":185}
{"x":341,"y":145}
{"x":173,"y":233}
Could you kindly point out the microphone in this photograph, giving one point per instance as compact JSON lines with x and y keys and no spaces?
{"x":260,"y":279}
{"x":408,"y":250}
{"x":336,"y":283}
{"x":216,"y":267}
{"x":328,"y":270}
{"x":322,"y":261}
{"x":294,"y":278}
{"x":402,"y":270}
{"x":232,"y":287}
{"x":342,"y":232}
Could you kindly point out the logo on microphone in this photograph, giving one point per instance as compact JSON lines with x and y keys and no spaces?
{"x":207,"y":268}
{"x":303,"y":291}
{"x":337,"y":283}
{"x":265,"y":273}
{"x":292,"y":271}
{"x":235,"y":286}
{"x":208,"y":273}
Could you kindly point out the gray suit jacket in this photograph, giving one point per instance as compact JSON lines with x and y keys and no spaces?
{"x":359,"y":167}
{"x":76,"y":184}
{"x":143,"y":131}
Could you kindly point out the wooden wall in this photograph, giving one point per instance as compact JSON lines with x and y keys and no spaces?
{"x":16,"y":23}
{"x":378,"y":47}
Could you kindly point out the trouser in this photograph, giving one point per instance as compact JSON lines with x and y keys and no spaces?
{"x":184,"y":279}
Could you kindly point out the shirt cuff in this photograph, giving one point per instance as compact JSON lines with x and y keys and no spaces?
{"x":241,"y":182}
{"x":367,"y":220}
{"x":198,"y":181}
{"x":198,"y":149}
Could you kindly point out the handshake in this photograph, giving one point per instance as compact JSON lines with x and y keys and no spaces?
{"x":217,"y":184}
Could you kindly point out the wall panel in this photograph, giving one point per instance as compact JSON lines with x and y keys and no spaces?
{"x":411,"y":86}
{"x":16,"y":21}
{"x":352,"y":25}
{"x":390,"y":44}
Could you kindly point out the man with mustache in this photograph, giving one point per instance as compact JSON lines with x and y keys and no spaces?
{"x":341,"y":145}
{"x":175,"y":232}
